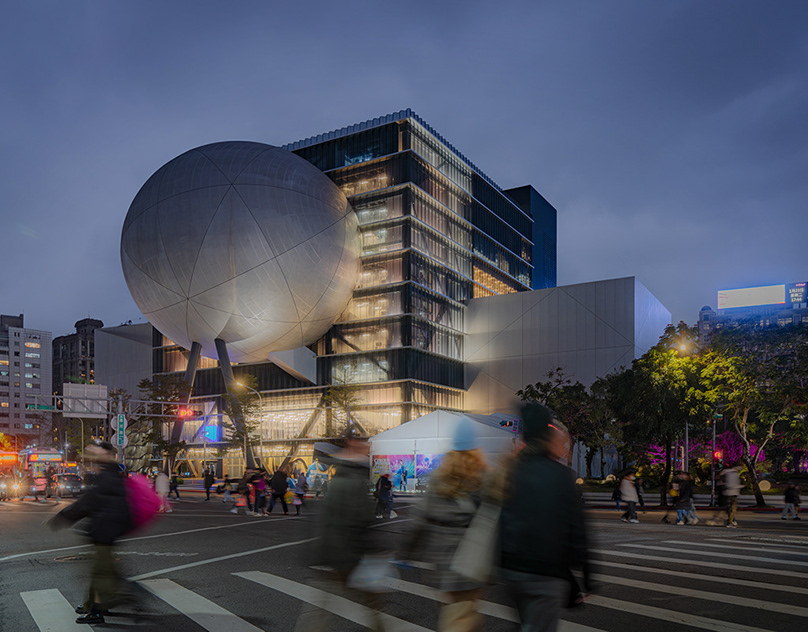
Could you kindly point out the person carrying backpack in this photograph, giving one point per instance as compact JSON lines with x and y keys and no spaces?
{"x":105,"y":505}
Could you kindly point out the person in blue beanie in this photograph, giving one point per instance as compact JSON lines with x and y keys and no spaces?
{"x":442,"y":518}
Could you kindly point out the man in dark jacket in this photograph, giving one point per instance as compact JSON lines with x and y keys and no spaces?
{"x":542,"y":528}
{"x":106,"y":506}
{"x":207,"y":482}
{"x":279,"y":486}
{"x":346,"y":536}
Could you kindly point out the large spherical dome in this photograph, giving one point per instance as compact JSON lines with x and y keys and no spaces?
{"x":240,"y":241}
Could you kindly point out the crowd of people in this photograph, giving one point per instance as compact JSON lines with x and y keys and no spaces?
{"x":471,"y":528}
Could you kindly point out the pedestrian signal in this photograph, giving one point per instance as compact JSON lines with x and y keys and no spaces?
{"x":187,"y":413}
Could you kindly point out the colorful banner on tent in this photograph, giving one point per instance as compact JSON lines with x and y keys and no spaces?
{"x":403,"y":467}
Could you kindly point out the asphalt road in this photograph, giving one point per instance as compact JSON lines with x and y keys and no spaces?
{"x":202,"y":568}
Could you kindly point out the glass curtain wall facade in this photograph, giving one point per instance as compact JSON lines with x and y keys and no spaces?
{"x":435,"y":232}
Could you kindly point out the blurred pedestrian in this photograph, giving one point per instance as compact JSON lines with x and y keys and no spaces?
{"x":301,"y":487}
{"x":105,"y":505}
{"x":731,"y":487}
{"x":542,"y":534}
{"x":684,"y":498}
{"x":639,"y":486}
{"x":227,"y":489}
{"x":243,"y":489}
{"x":279,"y":486}
{"x":346,"y":540}
{"x":208,"y":482}
{"x":174,"y":486}
{"x":260,"y":484}
{"x":384,"y":496}
{"x":162,"y":486}
{"x":628,"y":492}
{"x":442,"y":520}
{"x":792,"y":500}
{"x":618,"y":501}
{"x":692,"y":516}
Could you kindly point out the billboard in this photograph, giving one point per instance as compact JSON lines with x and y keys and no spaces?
{"x":88,"y":401}
{"x":751,"y":296}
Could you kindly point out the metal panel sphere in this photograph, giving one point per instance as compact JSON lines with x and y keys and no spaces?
{"x":240,"y":241}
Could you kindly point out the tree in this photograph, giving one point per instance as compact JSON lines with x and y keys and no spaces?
{"x":568,"y":400}
{"x":759,"y":375}
{"x":245,"y":403}
{"x":146,"y":437}
{"x":342,"y":398}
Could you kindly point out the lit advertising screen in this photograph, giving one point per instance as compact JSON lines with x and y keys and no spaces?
{"x":796,"y":292}
{"x":750,"y":296}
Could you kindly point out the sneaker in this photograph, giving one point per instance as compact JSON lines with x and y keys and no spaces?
{"x":796,"y":517}
{"x":694,"y":521}
{"x":731,"y":526}
{"x":623,"y":519}
{"x":734,"y":523}
{"x":91,"y":617}
{"x":782,"y":518}
{"x":634,"y":521}
{"x":680,"y":522}
{"x":234,"y":510}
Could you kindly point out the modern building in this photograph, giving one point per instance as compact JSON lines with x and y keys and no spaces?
{"x":25,"y":381}
{"x":783,"y":304}
{"x":124,"y":356}
{"x":438,"y":236}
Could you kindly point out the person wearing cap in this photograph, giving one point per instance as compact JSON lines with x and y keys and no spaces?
{"x":443,"y":517}
{"x":542,"y":534}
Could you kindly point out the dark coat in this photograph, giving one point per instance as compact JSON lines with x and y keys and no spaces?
{"x":105,"y":504}
{"x":347,"y":514}
{"x":685,"y":494}
{"x":279,"y":484}
{"x":542,"y":529}
{"x":208,"y":480}
{"x":792,"y":496}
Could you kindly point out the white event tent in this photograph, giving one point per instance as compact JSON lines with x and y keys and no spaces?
{"x":432,"y":434}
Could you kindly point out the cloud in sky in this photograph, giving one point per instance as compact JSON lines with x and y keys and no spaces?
{"x":670,"y":136}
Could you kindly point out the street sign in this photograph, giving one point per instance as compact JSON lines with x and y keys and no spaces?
{"x":119,"y":426}
{"x":39,"y":407}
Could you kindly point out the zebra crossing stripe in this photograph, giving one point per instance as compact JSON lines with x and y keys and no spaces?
{"x":735,"y":547}
{"x":711,"y":565}
{"x":202,"y":611}
{"x":784,"y":545}
{"x":334,"y":604}
{"x":672,"y":616}
{"x":51,"y":611}
{"x":746,"y":602}
{"x":489,"y":608}
{"x":707,"y":578}
{"x":734,"y":556}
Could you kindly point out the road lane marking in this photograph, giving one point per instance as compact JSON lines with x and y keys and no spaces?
{"x":708,"y":578}
{"x":213,"y":560}
{"x":785,"y":545}
{"x":734,"y":556}
{"x":746,"y":602}
{"x":712,"y":565}
{"x":330,"y":602}
{"x":735,"y":547}
{"x":51,"y":611}
{"x":673,"y":616}
{"x":497,"y":610}
{"x":141,"y":537}
{"x":203,"y":611}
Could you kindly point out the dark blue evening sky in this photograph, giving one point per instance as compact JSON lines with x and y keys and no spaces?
{"x":672,"y":137}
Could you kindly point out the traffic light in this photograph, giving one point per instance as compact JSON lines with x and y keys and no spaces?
{"x":718,"y":459}
{"x":183,"y":412}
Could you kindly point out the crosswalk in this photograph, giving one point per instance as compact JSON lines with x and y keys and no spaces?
{"x":663,"y":585}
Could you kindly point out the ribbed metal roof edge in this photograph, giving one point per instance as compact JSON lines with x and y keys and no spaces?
{"x":384,"y":120}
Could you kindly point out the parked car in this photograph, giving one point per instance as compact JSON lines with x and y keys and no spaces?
{"x":69,"y":485}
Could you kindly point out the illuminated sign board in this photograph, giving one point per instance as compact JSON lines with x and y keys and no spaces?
{"x":44,"y":457}
{"x":751,"y":296}
{"x":212,"y":433}
{"x":8,"y":458}
{"x":796,"y":292}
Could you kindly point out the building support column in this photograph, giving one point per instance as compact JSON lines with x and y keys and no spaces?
{"x":230,"y":384}
{"x":190,"y":376}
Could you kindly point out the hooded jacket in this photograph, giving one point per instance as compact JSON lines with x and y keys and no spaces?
{"x":542,"y":529}
{"x":105,"y":504}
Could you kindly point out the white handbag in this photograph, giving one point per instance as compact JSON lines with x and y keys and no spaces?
{"x":475,"y":557}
